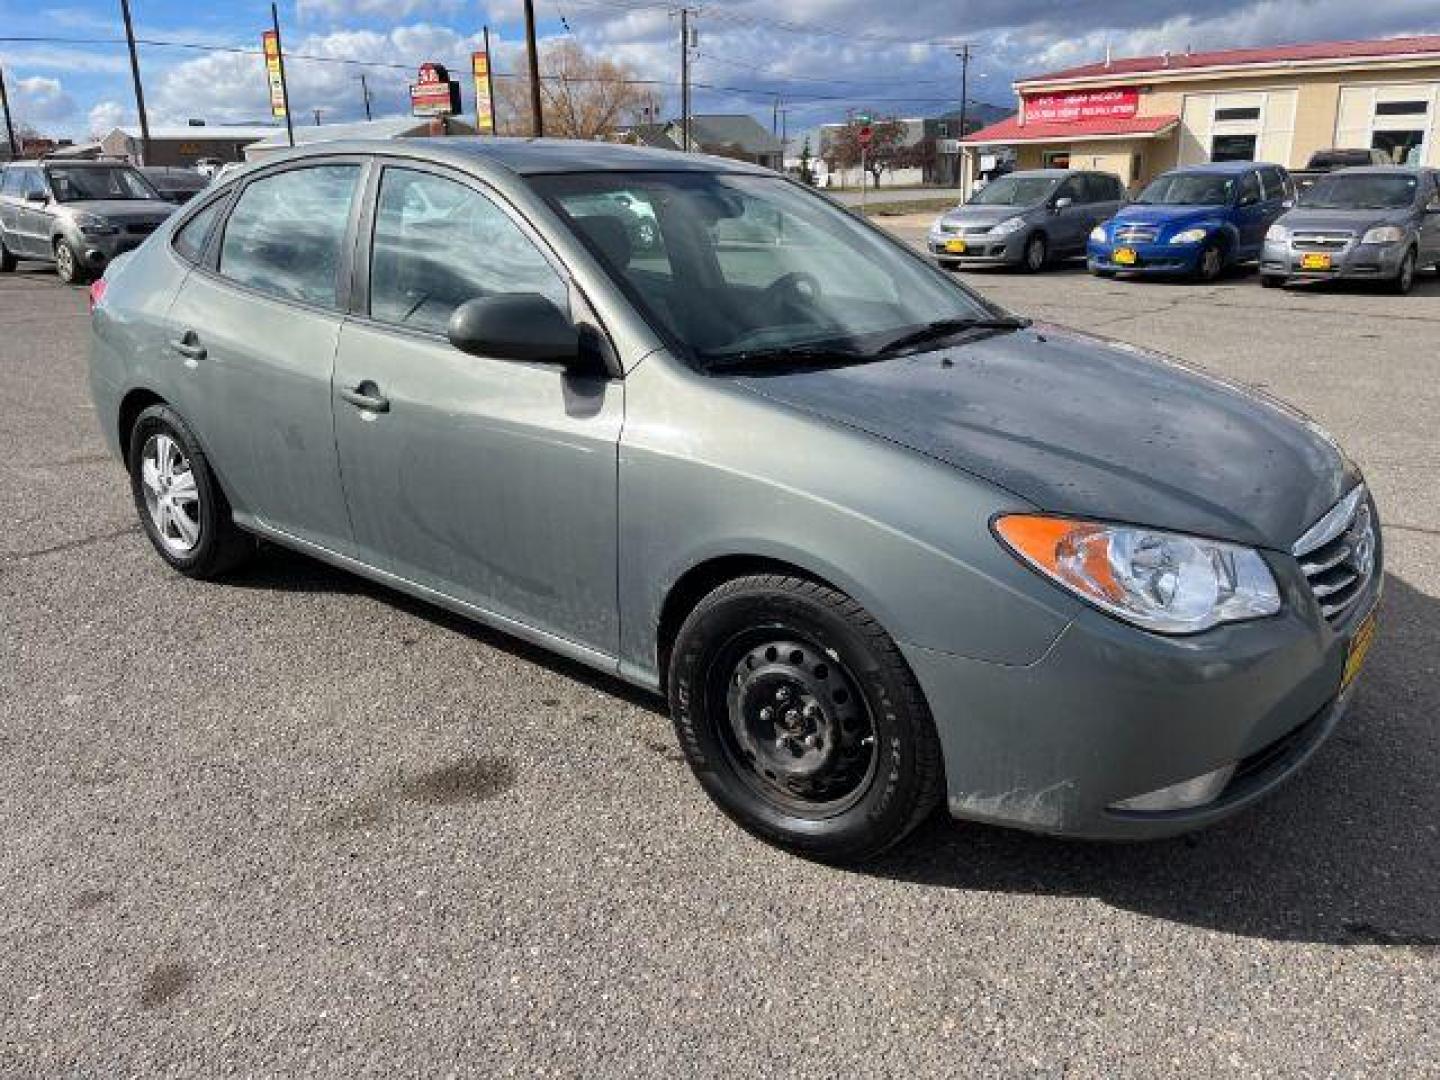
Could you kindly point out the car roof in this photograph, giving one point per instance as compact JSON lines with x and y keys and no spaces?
{"x":1382,"y":170}
{"x":528,"y":156}
{"x":1224,"y":168}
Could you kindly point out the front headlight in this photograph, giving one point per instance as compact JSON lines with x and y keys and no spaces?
{"x":94,"y":225}
{"x":1384,"y":234}
{"x":1278,"y":233}
{"x":1161,"y":581}
{"x":1098,"y":234}
{"x":1008,"y":226}
{"x":1190,"y":236}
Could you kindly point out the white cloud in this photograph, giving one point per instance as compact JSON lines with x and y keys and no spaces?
{"x":105,"y":116}
{"x":41,"y":100}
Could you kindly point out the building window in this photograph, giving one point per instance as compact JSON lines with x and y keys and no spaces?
{"x":1250,"y":112}
{"x":942,"y":130}
{"x":1401,"y":108}
{"x":1057,"y":159}
{"x":1233,"y":148}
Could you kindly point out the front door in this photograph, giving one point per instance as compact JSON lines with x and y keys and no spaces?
{"x":1068,"y":224}
{"x":490,"y":481}
{"x":255,"y":335}
{"x":1252,"y":216}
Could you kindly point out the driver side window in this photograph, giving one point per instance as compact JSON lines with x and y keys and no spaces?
{"x":438,"y":243}
{"x":1249,"y":189}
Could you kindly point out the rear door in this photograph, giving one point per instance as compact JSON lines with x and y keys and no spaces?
{"x":1105,"y":193}
{"x":490,"y":481}
{"x":1430,"y":218}
{"x":255,"y":329}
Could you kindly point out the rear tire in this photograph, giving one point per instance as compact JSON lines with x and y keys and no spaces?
{"x":1036,"y":254}
{"x":181,"y":507}
{"x":801,"y":719}
{"x":68,"y":266}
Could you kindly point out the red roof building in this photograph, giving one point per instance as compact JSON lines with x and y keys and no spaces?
{"x":1141,"y":116}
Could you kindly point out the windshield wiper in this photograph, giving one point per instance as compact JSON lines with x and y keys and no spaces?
{"x":788,"y":358}
{"x":943,"y":328}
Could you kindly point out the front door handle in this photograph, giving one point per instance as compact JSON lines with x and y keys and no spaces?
{"x":188,"y":345}
{"x":368,"y":397}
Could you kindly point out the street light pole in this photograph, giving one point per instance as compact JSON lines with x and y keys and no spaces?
{"x":964,"y":54}
{"x":537,"y":125}
{"x":284,"y":86}
{"x":685,"y":79}
{"x":135,"y":77}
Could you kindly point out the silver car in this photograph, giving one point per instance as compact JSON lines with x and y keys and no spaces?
{"x":880,"y":543}
{"x":1026,"y":219}
{"x":76,"y":214}
{"x":1379,"y":223}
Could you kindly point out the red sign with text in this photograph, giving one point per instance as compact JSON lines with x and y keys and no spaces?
{"x":1077,"y":105}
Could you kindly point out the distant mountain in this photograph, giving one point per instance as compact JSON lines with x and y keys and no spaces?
{"x":979,"y":114}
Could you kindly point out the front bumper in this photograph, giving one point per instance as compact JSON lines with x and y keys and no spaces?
{"x":1355,"y":261}
{"x":981,"y":249}
{"x":96,"y":250}
{"x":1111,"y":713}
{"x":1159,"y":259}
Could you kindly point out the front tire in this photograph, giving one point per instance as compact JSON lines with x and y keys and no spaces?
{"x":181,"y":507}
{"x":8,"y":262}
{"x":1211,"y":263}
{"x":68,"y":266}
{"x":1036,"y":254}
{"x":1404,"y":279}
{"x":1271,"y":281}
{"x":801,"y":719}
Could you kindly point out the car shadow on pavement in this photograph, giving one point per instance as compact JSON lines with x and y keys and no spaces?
{"x":1347,"y":853}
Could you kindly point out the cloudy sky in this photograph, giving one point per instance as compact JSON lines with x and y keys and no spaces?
{"x":817,"y":57}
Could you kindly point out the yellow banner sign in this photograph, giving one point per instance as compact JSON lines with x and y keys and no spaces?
{"x":273,"y":72}
{"x":484,"y":107}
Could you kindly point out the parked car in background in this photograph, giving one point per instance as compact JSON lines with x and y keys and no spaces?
{"x":1026,"y":219}
{"x":1194,"y":221}
{"x":1379,"y":223}
{"x":76,"y":214}
{"x":1327,"y":161}
{"x":880,"y":542}
{"x":175,"y":185}
{"x":208,"y":166}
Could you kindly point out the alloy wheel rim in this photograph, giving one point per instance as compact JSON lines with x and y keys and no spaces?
{"x":1407,"y":272}
{"x":172,"y":497}
{"x":65,"y":262}
{"x":1210,"y":265}
{"x":1035,"y":254}
{"x":798,"y":729}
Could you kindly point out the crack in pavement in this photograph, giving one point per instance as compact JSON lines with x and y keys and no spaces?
{"x":69,"y":545}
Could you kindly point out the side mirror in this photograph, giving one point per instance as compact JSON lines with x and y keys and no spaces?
{"x":1064,"y":201}
{"x":515,"y":326}
{"x":1288,"y":204}
{"x":37,"y":197}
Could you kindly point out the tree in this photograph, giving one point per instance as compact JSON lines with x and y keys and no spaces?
{"x":807,"y":166}
{"x":583,"y":96}
{"x":887,"y":140}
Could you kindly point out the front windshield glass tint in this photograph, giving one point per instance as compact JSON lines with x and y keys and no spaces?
{"x":753,"y":268}
{"x":1015,"y":191}
{"x":1189,"y":189}
{"x":1361,"y":191}
{"x":94,"y":182}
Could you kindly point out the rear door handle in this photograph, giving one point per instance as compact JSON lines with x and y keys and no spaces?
{"x":188,"y":345}
{"x":368,"y":397}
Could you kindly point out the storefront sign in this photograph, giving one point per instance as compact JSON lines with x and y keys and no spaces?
{"x":1077,"y":105}
{"x":484,"y":107}
{"x":270,"y":42}
{"x":435,"y":94}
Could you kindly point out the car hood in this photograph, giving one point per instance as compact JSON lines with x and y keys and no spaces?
{"x":1357,"y":221}
{"x":971,"y":216}
{"x":1158,"y":214}
{"x":122,"y":209}
{"x":1077,"y":425}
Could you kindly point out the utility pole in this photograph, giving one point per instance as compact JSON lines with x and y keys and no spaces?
{"x":685,"y":79}
{"x":9,"y":124}
{"x":284,"y":86}
{"x":964,"y":54}
{"x":365,"y":93}
{"x":135,"y":77}
{"x":317,"y":111}
{"x":537,"y":125}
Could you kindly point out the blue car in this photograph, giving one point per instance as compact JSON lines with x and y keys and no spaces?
{"x":1193,"y":222}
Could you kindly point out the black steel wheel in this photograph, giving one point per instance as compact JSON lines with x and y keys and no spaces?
{"x":801,"y":719}
{"x":1036,"y":254}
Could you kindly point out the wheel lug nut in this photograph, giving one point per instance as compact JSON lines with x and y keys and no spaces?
{"x":813,"y":742}
{"x":782,"y":695}
{"x":767,"y":714}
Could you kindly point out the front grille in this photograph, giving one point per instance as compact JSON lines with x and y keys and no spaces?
{"x":1319,"y":241}
{"x":1337,"y":554}
{"x":1136,"y":234}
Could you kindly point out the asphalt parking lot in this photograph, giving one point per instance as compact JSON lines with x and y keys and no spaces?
{"x":298,"y":824}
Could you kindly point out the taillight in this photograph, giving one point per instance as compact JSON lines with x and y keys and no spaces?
{"x":97,"y":292}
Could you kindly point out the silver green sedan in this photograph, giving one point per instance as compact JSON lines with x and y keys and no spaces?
{"x":880,"y":543}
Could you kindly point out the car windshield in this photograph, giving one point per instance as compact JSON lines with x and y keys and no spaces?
{"x":755,"y":271}
{"x":80,"y":183}
{"x":1361,"y":191}
{"x":1015,"y":190}
{"x":1189,"y":189}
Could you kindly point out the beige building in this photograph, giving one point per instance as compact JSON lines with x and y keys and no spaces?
{"x":1140,"y":116}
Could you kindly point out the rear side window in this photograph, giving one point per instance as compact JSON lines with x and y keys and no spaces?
{"x":438,"y":243}
{"x":191,"y":237}
{"x":1249,"y":189}
{"x":285,"y":234}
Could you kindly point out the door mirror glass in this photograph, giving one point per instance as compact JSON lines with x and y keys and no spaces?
{"x":1063,"y":201}
{"x":515,"y":326}
{"x":1288,"y":204}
